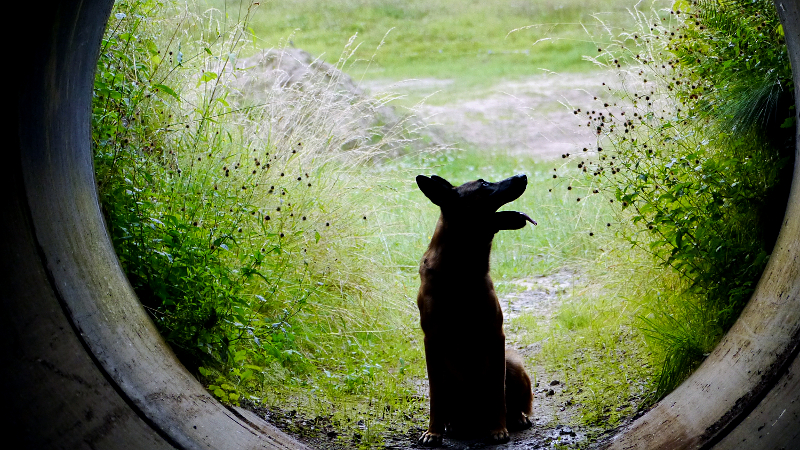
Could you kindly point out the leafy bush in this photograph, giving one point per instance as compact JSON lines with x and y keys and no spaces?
{"x":694,"y":150}
{"x":249,"y":229}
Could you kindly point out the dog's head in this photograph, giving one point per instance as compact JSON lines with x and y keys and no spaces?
{"x":475,"y":203}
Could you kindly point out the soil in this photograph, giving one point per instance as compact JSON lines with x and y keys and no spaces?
{"x":534,"y":116}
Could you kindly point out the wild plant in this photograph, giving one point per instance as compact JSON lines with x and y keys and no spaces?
{"x":693,"y":144}
{"x":247,"y":228}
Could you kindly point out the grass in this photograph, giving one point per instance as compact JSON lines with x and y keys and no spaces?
{"x":594,"y":340}
{"x":475,"y":43}
{"x":281,"y":259}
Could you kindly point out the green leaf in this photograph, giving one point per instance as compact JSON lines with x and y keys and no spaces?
{"x":167,"y":90}
{"x":207,"y":76}
{"x":151,"y":47}
{"x":316,"y":237}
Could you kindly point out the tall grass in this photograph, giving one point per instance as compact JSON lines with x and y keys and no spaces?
{"x":274,"y":236}
{"x":693,"y":186}
{"x":255,"y":234}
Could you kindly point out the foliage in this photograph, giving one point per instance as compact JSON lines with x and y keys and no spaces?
{"x":167,"y":259}
{"x":735,"y":54}
{"x":244,"y":230}
{"x":278,"y":255}
{"x":693,"y":154}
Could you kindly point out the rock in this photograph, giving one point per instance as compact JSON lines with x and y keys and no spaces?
{"x":555,"y":383}
{"x":567,"y":431}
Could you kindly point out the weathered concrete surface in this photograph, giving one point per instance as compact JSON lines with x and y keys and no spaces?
{"x":83,"y":366}
{"x":751,"y":377}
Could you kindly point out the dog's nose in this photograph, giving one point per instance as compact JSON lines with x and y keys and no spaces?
{"x":521,"y":176}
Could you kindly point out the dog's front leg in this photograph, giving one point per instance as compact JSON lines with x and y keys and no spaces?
{"x":495,"y":386}
{"x":437,"y":391}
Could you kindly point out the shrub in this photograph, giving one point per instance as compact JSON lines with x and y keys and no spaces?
{"x":694,"y":145}
{"x":248,"y":228}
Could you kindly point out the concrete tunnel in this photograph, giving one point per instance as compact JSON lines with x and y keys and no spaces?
{"x":84,"y":367}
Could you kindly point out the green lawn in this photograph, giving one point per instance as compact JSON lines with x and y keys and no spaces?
{"x":474,"y":42}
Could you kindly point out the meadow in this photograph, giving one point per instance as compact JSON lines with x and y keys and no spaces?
{"x":276,"y":243}
{"x":472,"y":43}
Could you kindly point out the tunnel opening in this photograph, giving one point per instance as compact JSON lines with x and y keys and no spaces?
{"x":103,"y":344}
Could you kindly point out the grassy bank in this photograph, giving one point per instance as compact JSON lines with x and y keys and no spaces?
{"x":278,"y":255}
{"x":473,"y":42}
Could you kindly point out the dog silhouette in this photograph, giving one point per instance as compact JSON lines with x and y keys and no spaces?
{"x":478,"y":388}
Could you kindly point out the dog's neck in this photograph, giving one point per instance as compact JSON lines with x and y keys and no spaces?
{"x":460,"y":248}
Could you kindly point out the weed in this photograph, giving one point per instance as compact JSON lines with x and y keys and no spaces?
{"x":694,"y":184}
{"x":252,"y":232}
{"x":275,"y":239}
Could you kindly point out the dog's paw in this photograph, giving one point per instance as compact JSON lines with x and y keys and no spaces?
{"x":519,"y":423}
{"x":498,"y":436}
{"x":429,"y":439}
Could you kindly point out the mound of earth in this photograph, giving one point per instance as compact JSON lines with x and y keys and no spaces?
{"x":291,"y":72}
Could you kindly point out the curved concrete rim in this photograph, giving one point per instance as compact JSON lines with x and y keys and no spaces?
{"x":84,"y":367}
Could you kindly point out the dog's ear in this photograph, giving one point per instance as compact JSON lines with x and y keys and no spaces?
{"x":441,"y":180}
{"x":511,"y":220}
{"x":437,"y":189}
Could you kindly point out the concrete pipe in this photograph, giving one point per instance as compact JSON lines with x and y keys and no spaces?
{"x":84,"y":367}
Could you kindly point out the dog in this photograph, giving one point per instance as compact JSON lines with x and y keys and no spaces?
{"x":478,"y":389}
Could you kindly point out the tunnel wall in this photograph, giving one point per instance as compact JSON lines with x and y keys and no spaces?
{"x":84,"y":367}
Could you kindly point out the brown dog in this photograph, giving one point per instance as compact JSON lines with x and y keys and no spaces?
{"x":477,"y":387}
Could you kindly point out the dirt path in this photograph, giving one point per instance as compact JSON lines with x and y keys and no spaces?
{"x":532,"y":116}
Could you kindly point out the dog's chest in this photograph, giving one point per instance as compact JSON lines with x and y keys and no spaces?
{"x":461,"y":303}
